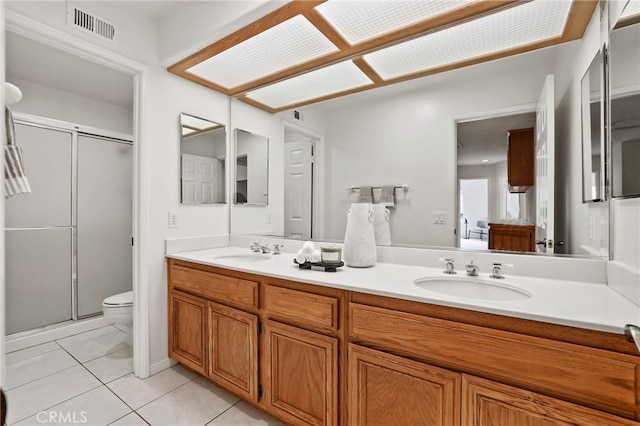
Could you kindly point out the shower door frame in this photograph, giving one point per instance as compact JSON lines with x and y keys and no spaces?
{"x":140,"y":72}
{"x":75,"y":130}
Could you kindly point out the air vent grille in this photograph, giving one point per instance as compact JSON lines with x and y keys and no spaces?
{"x":91,"y":24}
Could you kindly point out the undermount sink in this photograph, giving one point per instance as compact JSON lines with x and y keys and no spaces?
{"x":472,"y":288}
{"x":245,"y":257}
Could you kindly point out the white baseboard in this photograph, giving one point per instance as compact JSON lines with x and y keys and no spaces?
{"x":161,"y":365}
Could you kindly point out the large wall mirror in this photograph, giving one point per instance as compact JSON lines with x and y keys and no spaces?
{"x":592,"y":132}
{"x":202,"y":160}
{"x":252,"y":168}
{"x":408,"y":135}
{"x":624,"y":80}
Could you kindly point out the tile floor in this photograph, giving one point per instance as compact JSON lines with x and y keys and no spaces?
{"x":87,"y":379}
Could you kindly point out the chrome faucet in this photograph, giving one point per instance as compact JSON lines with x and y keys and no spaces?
{"x":276,"y":248}
{"x":258,"y":248}
{"x":448,"y":266}
{"x":472,"y":270}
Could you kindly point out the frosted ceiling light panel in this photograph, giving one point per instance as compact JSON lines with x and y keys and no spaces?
{"x":520,"y":25}
{"x":632,"y":8}
{"x":361,"y":20}
{"x":335,"y":78}
{"x":285,"y":45}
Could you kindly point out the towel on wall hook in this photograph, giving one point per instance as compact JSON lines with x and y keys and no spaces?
{"x":15,"y":180}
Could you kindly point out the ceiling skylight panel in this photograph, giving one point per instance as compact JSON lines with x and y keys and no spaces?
{"x":631,"y":9}
{"x":361,"y":20}
{"x":335,"y":78}
{"x":520,"y":25}
{"x":287,"y":44}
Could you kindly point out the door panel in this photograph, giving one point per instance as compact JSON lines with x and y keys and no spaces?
{"x":47,"y":164}
{"x":105,"y":215}
{"x":298,"y":189}
{"x":545,"y":168}
{"x":38,"y":276}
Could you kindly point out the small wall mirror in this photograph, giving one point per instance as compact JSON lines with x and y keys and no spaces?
{"x":252,"y":168}
{"x":202,"y":161}
{"x":624,"y":81}
{"x":592,"y":133}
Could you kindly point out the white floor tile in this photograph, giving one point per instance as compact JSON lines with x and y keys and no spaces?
{"x":86,"y":336}
{"x":243,"y":414}
{"x":130,"y":420}
{"x":28,"y":400}
{"x":37,"y":367}
{"x":194,"y":404}
{"x":98,"y":346}
{"x":138,"y":392}
{"x":97,"y":407}
{"x":112,"y":366}
{"x":31,"y":352}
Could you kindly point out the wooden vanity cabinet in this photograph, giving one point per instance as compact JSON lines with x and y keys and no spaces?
{"x":188,"y":330}
{"x":512,"y":237}
{"x":520,"y":159}
{"x":385,"y":389}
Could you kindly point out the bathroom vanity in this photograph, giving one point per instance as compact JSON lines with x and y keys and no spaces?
{"x":319,"y":348}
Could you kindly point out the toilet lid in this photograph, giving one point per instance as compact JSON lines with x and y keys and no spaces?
{"x":122,"y":299}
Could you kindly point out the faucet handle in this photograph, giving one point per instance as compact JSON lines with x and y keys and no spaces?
{"x":276,"y":248}
{"x":496,"y":270}
{"x":448,"y":265}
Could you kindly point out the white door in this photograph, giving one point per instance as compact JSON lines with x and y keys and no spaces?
{"x":298,"y":189}
{"x":198,"y":179}
{"x":544,"y":168}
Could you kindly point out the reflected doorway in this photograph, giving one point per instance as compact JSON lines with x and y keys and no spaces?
{"x":299,"y":152}
{"x":474,"y":214}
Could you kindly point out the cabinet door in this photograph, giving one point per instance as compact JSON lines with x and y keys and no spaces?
{"x":489,"y":403}
{"x":188,"y":330}
{"x":233,"y":350}
{"x":386,"y":389}
{"x":300,"y":375}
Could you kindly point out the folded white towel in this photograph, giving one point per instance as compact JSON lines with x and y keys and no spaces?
{"x":308,"y":248}
{"x":300,"y":257}
{"x":315,"y":256}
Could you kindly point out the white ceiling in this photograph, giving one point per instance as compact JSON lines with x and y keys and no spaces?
{"x":29,"y":60}
{"x":487,"y":139}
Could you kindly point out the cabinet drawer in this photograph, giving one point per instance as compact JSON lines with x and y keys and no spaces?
{"x":222,"y":288}
{"x":301,"y":308}
{"x":588,"y":376}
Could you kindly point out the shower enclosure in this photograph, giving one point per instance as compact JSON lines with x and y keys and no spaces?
{"x":68,"y":242}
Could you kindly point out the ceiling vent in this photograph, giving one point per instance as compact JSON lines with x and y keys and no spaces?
{"x":91,"y":24}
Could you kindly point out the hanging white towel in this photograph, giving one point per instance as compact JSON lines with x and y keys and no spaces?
{"x":388,"y":196}
{"x":15,"y":180}
{"x":366,"y":194}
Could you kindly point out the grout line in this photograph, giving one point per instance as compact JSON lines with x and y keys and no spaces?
{"x":227,"y":409}
{"x":41,"y":377}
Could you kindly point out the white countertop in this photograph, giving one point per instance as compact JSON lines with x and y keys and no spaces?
{"x":589,"y":305}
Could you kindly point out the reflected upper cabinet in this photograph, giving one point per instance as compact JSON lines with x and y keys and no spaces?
{"x":624,"y":75}
{"x":252,"y":168}
{"x":592,"y":132}
{"x":203,"y":151}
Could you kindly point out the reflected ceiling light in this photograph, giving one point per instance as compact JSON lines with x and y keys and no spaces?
{"x":508,"y":29}
{"x":358,"y":21}
{"x":337,"y":78}
{"x":631,"y":9}
{"x":287,"y":44}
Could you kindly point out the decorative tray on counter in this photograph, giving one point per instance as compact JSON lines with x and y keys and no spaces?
{"x":328,"y":266}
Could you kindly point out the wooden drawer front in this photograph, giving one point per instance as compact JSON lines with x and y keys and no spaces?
{"x":490,"y":403}
{"x":222,"y":288}
{"x":384,"y":388}
{"x":300,"y":308}
{"x":592,"y":377}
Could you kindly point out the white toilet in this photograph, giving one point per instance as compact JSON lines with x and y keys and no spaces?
{"x":119,"y":309}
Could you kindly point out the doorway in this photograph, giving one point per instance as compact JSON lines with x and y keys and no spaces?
{"x":474,"y":214}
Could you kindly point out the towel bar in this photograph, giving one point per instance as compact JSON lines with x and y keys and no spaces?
{"x":354,"y":188}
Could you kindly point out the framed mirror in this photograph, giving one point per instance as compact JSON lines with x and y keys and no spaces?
{"x":203,"y":150}
{"x":592,"y":132}
{"x":624,"y":84}
{"x":251,"y":182}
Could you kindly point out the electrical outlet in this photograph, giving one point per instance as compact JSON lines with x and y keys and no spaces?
{"x":173,"y":220}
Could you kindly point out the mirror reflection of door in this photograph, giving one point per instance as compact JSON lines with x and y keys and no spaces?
{"x":545,"y":162}
{"x":298,"y":185}
{"x":474,"y":214}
